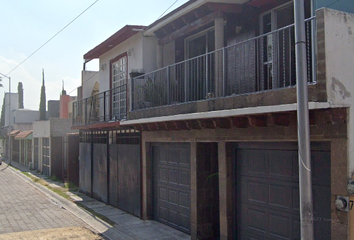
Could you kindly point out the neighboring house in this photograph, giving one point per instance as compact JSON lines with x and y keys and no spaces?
{"x":20,"y":120}
{"x":90,"y":83}
{"x":23,"y":119}
{"x":14,"y":106}
{"x":72,"y":163}
{"x":215,"y":120}
{"x":120,"y":57}
{"x":50,"y":140}
{"x":23,"y":143}
{"x":15,"y":146}
{"x":70,"y":107}
{"x":10,"y":104}
{"x":48,"y":146}
{"x":53,"y":109}
{"x":65,"y":106}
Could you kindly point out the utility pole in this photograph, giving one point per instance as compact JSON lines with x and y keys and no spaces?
{"x":305,"y":181}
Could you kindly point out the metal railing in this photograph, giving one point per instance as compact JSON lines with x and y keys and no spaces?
{"x":257,"y":64}
{"x":103,"y":107}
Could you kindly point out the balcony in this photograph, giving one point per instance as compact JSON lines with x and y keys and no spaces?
{"x":259,"y":64}
{"x":258,"y":71}
{"x":108,"y":106}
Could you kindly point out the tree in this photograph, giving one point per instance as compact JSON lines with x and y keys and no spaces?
{"x":2,"y":123}
{"x":42,"y":103}
{"x":20,"y":95}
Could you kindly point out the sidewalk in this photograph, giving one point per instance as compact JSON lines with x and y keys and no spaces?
{"x":126,"y":225}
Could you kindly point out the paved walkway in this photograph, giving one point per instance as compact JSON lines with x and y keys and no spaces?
{"x":24,"y":208}
{"x":126,"y":225}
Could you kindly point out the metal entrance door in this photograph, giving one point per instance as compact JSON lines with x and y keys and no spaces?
{"x":125,"y":171}
{"x":267,"y":186}
{"x":36,"y":153}
{"x":57,"y":157}
{"x":45,"y":156}
{"x":172,"y":185}
{"x":73,"y":159}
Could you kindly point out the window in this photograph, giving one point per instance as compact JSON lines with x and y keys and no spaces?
{"x":119,"y":81}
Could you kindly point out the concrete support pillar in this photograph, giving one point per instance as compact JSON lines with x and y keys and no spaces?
{"x":219,"y":33}
{"x":159,"y":56}
{"x":219,"y":44}
{"x":225,"y":190}
{"x":146,"y":180}
{"x":194,"y":200}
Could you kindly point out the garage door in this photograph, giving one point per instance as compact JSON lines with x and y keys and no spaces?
{"x":172,"y":185}
{"x":268,"y":193}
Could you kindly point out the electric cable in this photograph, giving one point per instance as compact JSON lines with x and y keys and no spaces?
{"x":52,"y":37}
{"x":157,"y":19}
{"x":167,"y":9}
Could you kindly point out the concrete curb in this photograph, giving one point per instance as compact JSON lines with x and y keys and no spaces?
{"x":99,"y":225}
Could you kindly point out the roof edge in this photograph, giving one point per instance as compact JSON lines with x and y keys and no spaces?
{"x":118,"y":37}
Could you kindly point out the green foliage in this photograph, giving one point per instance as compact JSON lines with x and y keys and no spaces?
{"x":71,"y":186}
{"x":53,"y":178}
{"x":59,"y":191}
{"x":154,"y":93}
{"x":42,"y":103}
{"x":20,"y":95}
{"x":2,"y":123}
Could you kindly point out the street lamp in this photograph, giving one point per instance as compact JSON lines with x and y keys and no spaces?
{"x":9,"y":127}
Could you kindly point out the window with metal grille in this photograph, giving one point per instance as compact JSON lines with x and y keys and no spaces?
{"x":119,"y":80}
{"x":124,"y":136}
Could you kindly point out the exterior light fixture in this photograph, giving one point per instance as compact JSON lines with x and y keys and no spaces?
{"x":342,"y":204}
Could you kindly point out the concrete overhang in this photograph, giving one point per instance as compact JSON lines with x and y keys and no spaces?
{"x":230,"y":113}
{"x":182,"y":10}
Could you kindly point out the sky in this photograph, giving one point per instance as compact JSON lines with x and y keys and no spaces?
{"x":26,"y":25}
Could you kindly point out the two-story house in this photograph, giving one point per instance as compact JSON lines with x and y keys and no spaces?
{"x":110,"y":160}
{"x":211,"y":108}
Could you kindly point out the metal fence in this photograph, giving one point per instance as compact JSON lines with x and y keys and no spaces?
{"x":257,"y":64}
{"x":103,"y":107}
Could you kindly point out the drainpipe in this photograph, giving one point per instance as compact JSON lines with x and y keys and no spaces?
{"x":305,"y":181}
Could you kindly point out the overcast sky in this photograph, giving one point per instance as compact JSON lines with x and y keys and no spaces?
{"x":26,"y":25}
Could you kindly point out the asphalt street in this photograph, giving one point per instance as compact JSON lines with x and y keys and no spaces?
{"x":24,"y":208}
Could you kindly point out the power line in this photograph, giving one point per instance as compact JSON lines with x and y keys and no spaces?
{"x":97,"y":72}
{"x":53,"y":37}
{"x":167,"y":9}
{"x":157,"y":19}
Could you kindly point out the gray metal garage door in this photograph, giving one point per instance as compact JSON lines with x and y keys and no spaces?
{"x":172,"y":185}
{"x":268,"y":194}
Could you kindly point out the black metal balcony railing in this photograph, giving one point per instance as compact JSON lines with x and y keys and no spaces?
{"x":102,"y":107}
{"x":257,"y":64}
